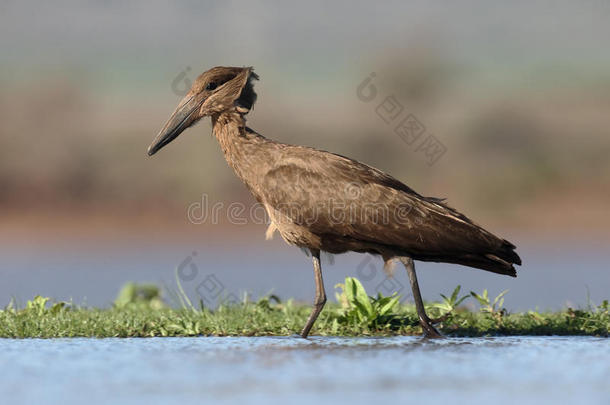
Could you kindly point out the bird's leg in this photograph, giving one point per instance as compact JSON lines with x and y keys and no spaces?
{"x":320,"y":299}
{"x":425,"y":322}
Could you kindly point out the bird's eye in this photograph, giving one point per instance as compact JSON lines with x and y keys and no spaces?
{"x":210,"y":86}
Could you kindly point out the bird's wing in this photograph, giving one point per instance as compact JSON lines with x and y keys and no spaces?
{"x":334,"y":195}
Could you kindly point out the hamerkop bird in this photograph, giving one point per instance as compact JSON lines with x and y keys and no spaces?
{"x":321,"y":201}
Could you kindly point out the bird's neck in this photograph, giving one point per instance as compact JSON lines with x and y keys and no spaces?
{"x":239,"y":144}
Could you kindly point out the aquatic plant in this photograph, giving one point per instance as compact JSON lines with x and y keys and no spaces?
{"x":360,"y":309}
{"x":140,"y":312}
{"x":448,"y":305}
{"x":139,"y":294}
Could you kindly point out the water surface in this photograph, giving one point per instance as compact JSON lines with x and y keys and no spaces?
{"x":504,"y":370}
{"x":552,"y":276}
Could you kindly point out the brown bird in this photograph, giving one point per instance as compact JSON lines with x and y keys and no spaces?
{"x":321,"y":201}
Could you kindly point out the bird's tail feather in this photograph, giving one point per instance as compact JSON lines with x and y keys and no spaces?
{"x":500,"y":260}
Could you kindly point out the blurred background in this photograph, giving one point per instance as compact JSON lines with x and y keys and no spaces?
{"x":517,"y":95}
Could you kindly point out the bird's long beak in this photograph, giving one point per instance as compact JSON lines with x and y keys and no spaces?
{"x":182,"y":118}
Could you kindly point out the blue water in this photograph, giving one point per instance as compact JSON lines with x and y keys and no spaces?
{"x":553,"y":275}
{"x":505,"y":370}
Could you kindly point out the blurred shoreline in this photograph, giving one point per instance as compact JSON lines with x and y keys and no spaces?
{"x":518,"y":96}
{"x":86,"y":224}
{"x":86,"y":256}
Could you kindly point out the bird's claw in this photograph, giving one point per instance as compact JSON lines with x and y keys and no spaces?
{"x":427,"y":325}
{"x":430,"y":332}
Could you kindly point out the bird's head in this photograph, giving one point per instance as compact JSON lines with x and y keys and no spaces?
{"x":218,"y":90}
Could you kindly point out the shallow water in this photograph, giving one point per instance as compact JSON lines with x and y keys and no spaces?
{"x":295,"y":371}
{"x":92,"y":273}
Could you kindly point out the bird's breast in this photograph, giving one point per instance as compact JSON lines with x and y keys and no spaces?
{"x":291,"y":232}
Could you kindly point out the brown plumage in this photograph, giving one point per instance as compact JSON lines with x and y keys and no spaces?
{"x":326,"y":202}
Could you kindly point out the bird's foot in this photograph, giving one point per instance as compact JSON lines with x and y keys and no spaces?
{"x":430,"y":332}
{"x":304,"y":333}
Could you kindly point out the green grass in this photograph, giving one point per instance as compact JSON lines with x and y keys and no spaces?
{"x":139,"y":311}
